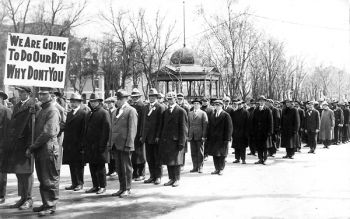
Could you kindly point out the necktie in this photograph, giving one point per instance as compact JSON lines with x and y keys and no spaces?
{"x":20,"y":104}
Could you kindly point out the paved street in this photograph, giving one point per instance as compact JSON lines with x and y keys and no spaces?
{"x":310,"y":186}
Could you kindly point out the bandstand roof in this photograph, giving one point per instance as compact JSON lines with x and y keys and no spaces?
{"x":188,"y":73}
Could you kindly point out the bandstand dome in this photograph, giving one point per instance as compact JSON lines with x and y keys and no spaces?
{"x":183,"y":56}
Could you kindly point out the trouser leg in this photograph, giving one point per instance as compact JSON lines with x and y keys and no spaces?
{"x":141,"y":169}
{"x":124,"y":169}
{"x":221,"y":162}
{"x":177,"y":171}
{"x":312,"y":140}
{"x":101,"y":175}
{"x":243,"y":153}
{"x":216,"y":161}
{"x":94,"y":177}
{"x":171,"y":172}
{"x":200,"y":155}
{"x":194,"y":153}
{"x":79,"y":172}
{"x":73,"y":174}
{"x":237,"y":153}
{"x":3,"y":184}
{"x":150,"y":157}
{"x":25,"y":185}
{"x":111,"y":166}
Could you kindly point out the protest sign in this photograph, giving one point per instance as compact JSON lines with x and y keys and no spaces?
{"x":35,"y":60}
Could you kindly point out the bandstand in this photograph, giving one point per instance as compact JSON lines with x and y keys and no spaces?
{"x":185,"y":75}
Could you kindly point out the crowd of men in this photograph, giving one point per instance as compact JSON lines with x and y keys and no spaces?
{"x":125,"y":132}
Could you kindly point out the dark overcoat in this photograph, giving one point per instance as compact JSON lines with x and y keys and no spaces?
{"x":339,"y":117}
{"x":240,"y":119}
{"x":152,"y":122}
{"x":139,"y":155}
{"x":96,"y":136}
{"x":262,"y":127}
{"x":19,"y":139}
{"x":208,"y":109}
{"x":219,"y":134}
{"x":290,"y":123}
{"x":5,"y":117}
{"x":312,"y":120}
{"x":276,"y":114}
{"x":173,"y":136}
{"x":73,"y":137}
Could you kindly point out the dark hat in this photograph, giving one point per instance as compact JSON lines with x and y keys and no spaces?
{"x":153,"y":92}
{"x":180,"y":95}
{"x":122,"y":94}
{"x":135,"y":93}
{"x":252,"y":101}
{"x":197,"y":100}
{"x":45,"y":90}
{"x":94,"y":97}
{"x":286,"y":101}
{"x":237,"y":101}
{"x":270,"y":101}
{"x":160,"y":95}
{"x":218,"y":101}
{"x":75,"y":96}
{"x":171,"y":95}
{"x":262,"y":97}
{"x":3,"y":95}
{"x":58,"y":93}
{"x":26,"y":89}
{"x":110,"y":100}
{"x":226,"y":99}
{"x":205,"y":99}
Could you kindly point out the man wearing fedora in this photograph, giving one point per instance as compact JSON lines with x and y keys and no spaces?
{"x":240,"y":131}
{"x":327,"y":125}
{"x":339,"y":123}
{"x":218,"y":136}
{"x":124,"y":129}
{"x":346,"y":112}
{"x":110,"y":102}
{"x":5,"y":116}
{"x":46,"y":152}
{"x":150,"y":134}
{"x":19,"y":139}
{"x":72,"y":142}
{"x":312,"y":125}
{"x":138,"y":157}
{"x":173,"y":139}
{"x":95,"y":148}
{"x":197,"y":134}
{"x":262,"y":129}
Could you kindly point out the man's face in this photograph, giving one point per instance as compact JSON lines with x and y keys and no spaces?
{"x":152,"y":99}
{"x":261,"y":103}
{"x":309,"y":106}
{"x":94,"y":103}
{"x":239,"y":106}
{"x":218,"y":106}
{"x":135,"y":99}
{"x":196,"y":105}
{"x":235,"y":106}
{"x":23,"y":95}
{"x":205,"y":103}
{"x":171,"y":101}
{"x":289,"y":104}
{"x":44,"y":97}
{"x":74,"y":103}
{"x":110,"y":105}
{"x":160,"y":99}
{"x":121,"y":101}
{"x":324,"y":106}
{"x":180,"y":100}
{"x":226,"y":102}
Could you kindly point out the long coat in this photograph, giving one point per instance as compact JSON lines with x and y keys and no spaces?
{"x":339,"y":117}
{"x":173,"y":136}
{"x":60,"y":137}
{"x":19,"y":139}
{"x":312,"y":120}
{"x":124,"y":128}
{"x":327,"y":125}
{"x":208,"y":109}
{"x":152,"y":122}
{"x":262,"y":127}
{"x":290,"y":124}
{"x":73,"y":137}
{"x":197,"y":125}
{"x":219,"y":134}
{"x":139,"y":155}
{"x":240,"y":119}
{"x":96,"y":136}
{"x":5,"y":117}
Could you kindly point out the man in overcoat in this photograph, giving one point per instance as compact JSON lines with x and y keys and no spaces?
{"x":5,"y":116}
{"x":345,"y":129}
{"x":110,"y":102}
{"x":95,"y":144}
{"x":184,"y":105}
{"x":138,"y":157}
{"x":290,"y":123}
{"x":19,"y":139}
{"x":151,"y":129}
{"x":124,"y":129}
{"x":208,"y":109}
{"x":73,"y":142}
{"x":173,"y":138}
{"x":327,"y":125}
{"x":262,"y":129}
{"x":252,"y":148}
{"x":339,"y":123}
{"x":46,"y":152}
{"x":218,"y":136}
{"x":240,"y":118}
{"x":197,"y":134}
{"x":312,"y":125}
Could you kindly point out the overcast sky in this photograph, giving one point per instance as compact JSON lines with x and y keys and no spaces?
{"x":317,"y":30}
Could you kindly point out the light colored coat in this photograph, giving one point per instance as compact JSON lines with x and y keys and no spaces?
{"x":327,"y":125}
{"x":124,"y":128}
{"x":197,"y":125}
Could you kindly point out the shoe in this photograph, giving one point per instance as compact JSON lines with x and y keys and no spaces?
{"x":38,"y":209}
{"x":101,"y":191}
{"x":243,"y":162}
{"x":176,"y":183}
{"x":70,"y":187}
{"x":124,"y":194}
{"x":92,"y":190}
{"x":2,"y":200}
{"x":233,"y":152}
{"x":236,"y":161}
{"x":193,"y":171}
{"x":150,"y":180}
{"x":200,"y":171}
{"x":220,"y":172}
{"x":310,"y":152}
{"x":259,"y":162}
{"x":118,"y":193}
{"x":78,"y":188}
{"x":291,"y":157}
{"x":271,"y":155}
{"x":140,"y":178}
{"x":215,"y":172}
{"x":169,"y":183}
{"x":250,"y":154}
{"x":18,"y":204}
{"x":157,"y":181}
{"x":26,"y":205}
{"x":285,"y":157}
{"x":46,"y":212}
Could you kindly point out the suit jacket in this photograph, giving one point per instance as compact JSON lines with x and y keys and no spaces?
{"x":262,"y":127}
{"x":197,"y":125}
{"x":124,"y":128}
{"x":173,"y":136}
{"x":240,"y":128}
{"x":290,"y":124}
{"x":219,"y":134}
{"x":312,"y":120}
{"x":152,"y":122}
{"x":73,"y":137}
